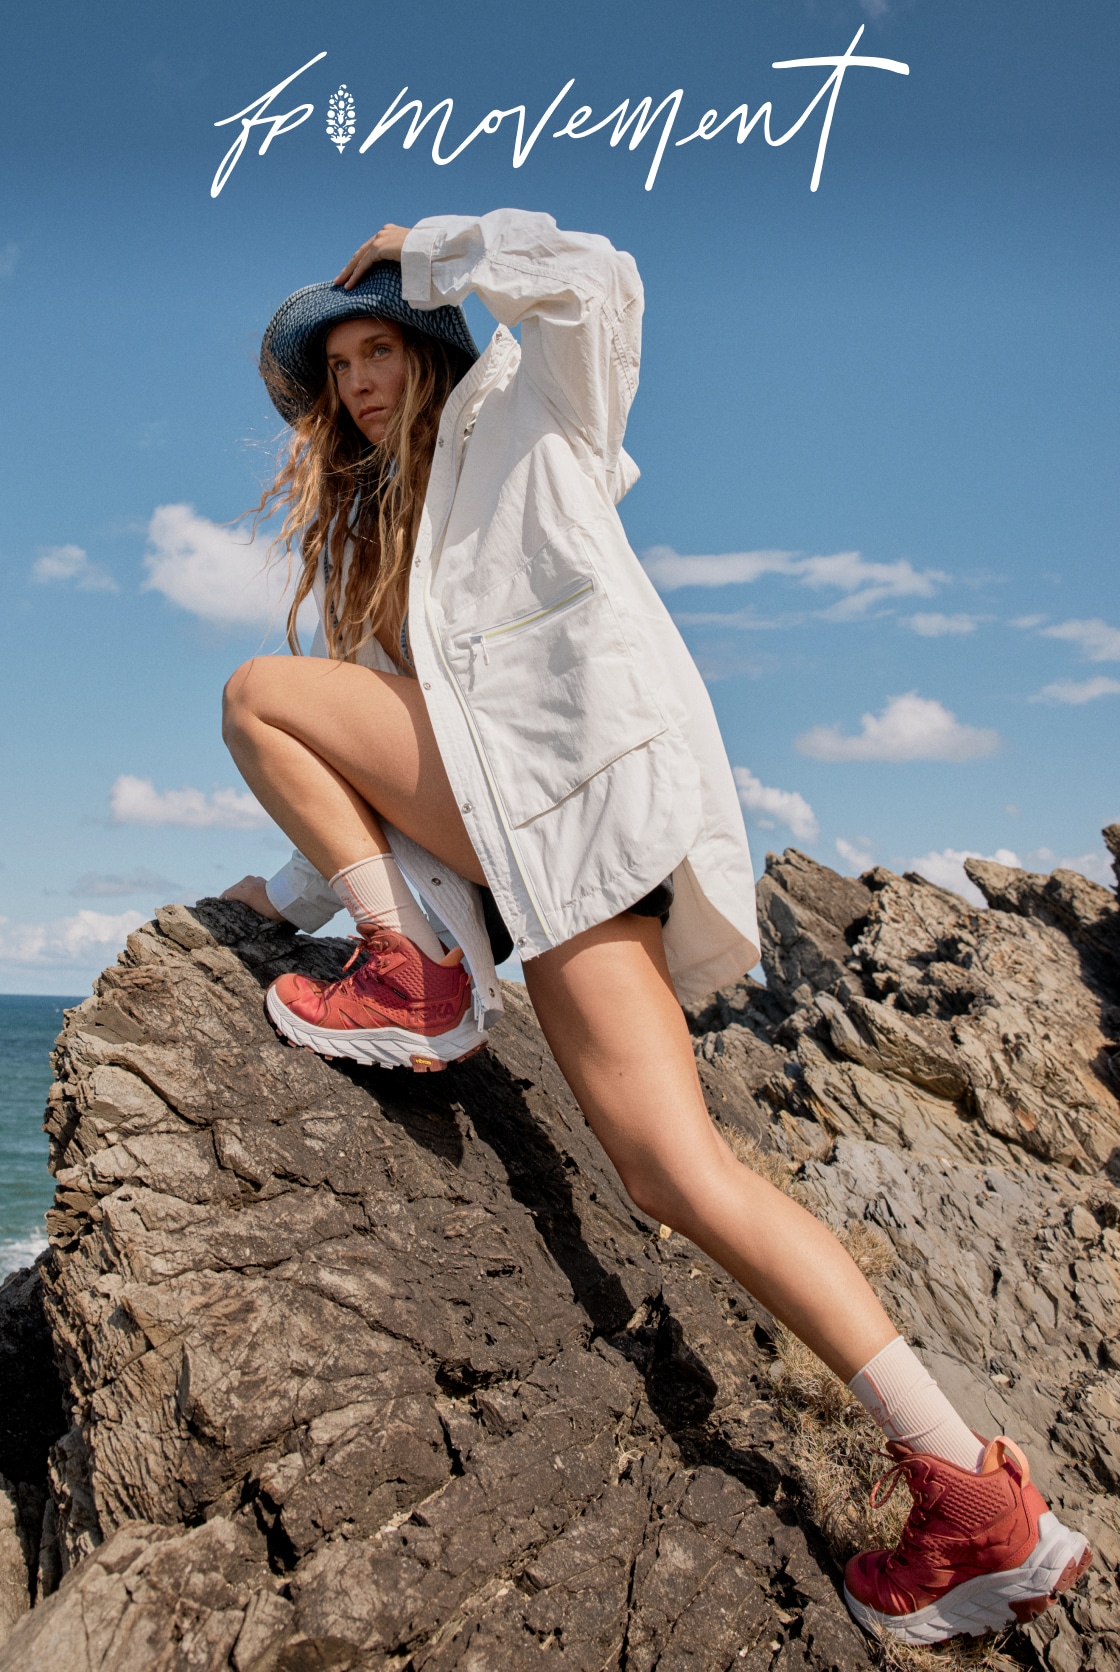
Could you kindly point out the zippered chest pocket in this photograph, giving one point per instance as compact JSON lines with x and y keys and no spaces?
{"x":500,"y":636}
{"x":555,"y":696}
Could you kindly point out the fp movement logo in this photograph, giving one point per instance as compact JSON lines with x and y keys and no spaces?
{"x":261,"y":119}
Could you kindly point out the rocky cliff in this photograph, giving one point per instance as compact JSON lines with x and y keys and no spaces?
{"x":333,"y":1368}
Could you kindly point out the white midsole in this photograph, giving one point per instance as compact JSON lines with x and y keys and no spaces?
{"x":381,"y":1047}
{"x":983,"y":1604}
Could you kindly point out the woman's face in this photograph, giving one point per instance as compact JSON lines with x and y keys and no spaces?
{"x":367,"y":360}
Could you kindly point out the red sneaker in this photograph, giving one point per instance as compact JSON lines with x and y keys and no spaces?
{"x":978,"y":1552}
{"x":398,"y":1009}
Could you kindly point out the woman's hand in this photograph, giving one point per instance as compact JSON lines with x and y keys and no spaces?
{"x":251,"y":892}
{"x":385,"y":245}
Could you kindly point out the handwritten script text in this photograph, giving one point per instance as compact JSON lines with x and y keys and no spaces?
{"x":643,"y":119}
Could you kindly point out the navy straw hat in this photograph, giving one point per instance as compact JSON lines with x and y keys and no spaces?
{"x":292,"y":361}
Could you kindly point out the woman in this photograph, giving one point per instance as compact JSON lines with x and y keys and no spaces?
{"x":499,"y":709}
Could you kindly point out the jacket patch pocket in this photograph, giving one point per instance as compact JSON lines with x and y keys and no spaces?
{"x":555,"y":696}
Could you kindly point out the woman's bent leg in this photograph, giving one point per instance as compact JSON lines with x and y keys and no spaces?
{"x":329,"y":748}
{"x":326,"y":746}
{"x":612,"y":1020}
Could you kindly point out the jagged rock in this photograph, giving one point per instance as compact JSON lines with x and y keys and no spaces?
{"x":15,"y":1578}
{"x":1111,"y":834}
{"x":31,"y":1420}
{"x":365,"y":1367}
{"x":366,"y":1370}
{"x":986,"y":1029}
{"x":1083,"y":910}
{"x":808,"y":917}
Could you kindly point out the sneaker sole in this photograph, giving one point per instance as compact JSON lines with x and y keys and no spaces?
{"x":379,"y":1047}
{"x":991,"y":1601}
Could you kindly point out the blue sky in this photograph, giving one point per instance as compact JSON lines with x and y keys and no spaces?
{"x":876,"y":427}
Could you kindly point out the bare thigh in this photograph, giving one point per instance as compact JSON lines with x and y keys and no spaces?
{"x":607,"y":1008}
{"x":372,"y":732}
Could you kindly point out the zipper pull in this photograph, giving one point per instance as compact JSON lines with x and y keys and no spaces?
{"x":476,"y":642}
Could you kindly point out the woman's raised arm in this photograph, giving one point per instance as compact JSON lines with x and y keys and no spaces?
{"x":577,"y":299}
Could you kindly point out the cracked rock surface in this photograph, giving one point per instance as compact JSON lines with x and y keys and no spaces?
{"x":364,"y":1370}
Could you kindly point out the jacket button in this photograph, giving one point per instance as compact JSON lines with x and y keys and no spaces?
{"x":438,"y":881}
{"x":441,"y":441}
{"x":523,"y":940}
{"x":427,"y":686}
{"x":466,"y":807}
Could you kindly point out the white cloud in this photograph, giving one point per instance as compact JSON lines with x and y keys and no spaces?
{"x":864,"y":584}
{"x":875,"y":8}
{"x":860,"y":857}
{"x":1026,"y":621}
{"x":1096,"y":866}
{"x":668,"y":570}
{"x":9,"y":256}
{"x":70,"y":563}
{"x":946,"y":869}
{"x":910,"y":728}
{"x":1078,"y":690}
{"x":934,"y":626}
{"x":868,"y":583}
{"x":137,"y":801}
{"x":98,"y":885}
{"x":92,"y":937}
{"x":771,"y":807}
{"x":747,"y":620}
{"x":213,"y":572}
{"x":1098,"y":641}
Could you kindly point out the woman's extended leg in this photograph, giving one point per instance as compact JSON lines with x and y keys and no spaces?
{"x":979,"y":1550}
{"x":608,"y":1011}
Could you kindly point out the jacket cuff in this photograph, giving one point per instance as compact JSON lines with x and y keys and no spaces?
{"x":301,"y":895}
{"x":416,"y":266}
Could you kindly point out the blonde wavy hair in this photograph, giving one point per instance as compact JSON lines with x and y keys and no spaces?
{"x":341,"y":493}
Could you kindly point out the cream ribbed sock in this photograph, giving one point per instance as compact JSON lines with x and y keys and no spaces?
{"x":374,"y":891}
{"x":898,"y":1391}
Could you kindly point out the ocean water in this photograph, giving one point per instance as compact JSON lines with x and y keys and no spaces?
{"x":29,"y":1025}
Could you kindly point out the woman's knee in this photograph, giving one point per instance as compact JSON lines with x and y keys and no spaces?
{"x":676,"y":1190}
{"x":244,"y":694}
{"x":653,"y":1194}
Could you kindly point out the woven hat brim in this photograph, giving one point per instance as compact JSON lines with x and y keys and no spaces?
{"x":292,"y":362}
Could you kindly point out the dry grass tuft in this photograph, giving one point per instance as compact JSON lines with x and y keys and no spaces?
{"x":777,"y":1169}
{"x":838,"y":1449}
{"x":869,"y":1249}
{"x":838,"y":1452}
{"x":962,"y":1654}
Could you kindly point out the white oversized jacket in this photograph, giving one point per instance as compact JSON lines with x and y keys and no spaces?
{"x":577,"y":734}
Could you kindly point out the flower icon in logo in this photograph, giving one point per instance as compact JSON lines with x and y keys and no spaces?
{"x":341,"y":118}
